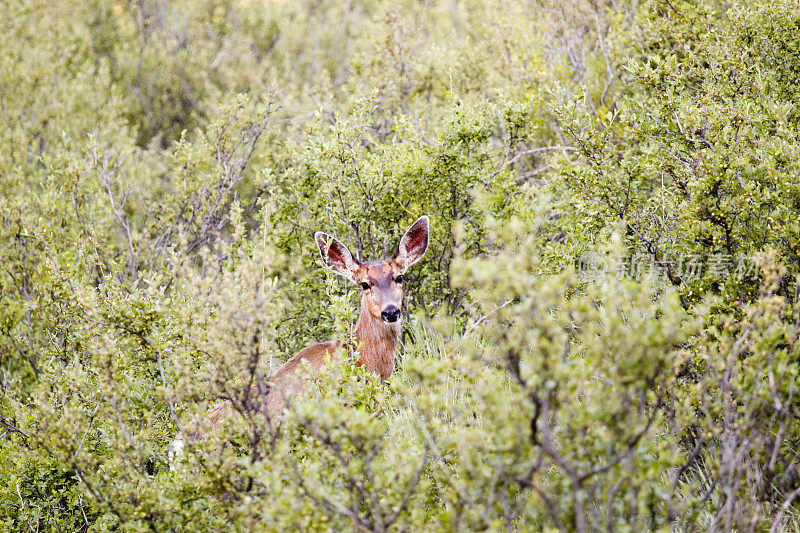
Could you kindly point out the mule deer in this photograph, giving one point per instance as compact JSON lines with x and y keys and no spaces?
{"x":377,"y":329}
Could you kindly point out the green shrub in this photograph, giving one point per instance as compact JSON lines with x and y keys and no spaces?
{"x":164,"y":165}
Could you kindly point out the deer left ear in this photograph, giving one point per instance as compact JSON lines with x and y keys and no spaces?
{"x":414,"y":243}
{"x":336,"y":255}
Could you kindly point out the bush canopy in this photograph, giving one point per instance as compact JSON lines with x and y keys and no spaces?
{"x":603,"y":334}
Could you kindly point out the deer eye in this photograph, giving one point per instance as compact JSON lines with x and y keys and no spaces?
{"x":364,"y":285}
{"x":399,"y":279}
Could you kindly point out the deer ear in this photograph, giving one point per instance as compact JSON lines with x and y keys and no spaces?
{"x":336,"y":255}
{"x":414,"y":243}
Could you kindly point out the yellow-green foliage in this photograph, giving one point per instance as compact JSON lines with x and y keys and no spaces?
{"x":164,"y":165}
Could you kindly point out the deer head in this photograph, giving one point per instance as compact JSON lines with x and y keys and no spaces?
{"x":381,"y":281}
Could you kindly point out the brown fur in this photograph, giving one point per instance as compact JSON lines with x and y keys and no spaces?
{"x":377,"y":341}
{"x":285,"y":383}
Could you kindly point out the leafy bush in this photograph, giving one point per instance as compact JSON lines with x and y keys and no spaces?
{"x":603,"y":334}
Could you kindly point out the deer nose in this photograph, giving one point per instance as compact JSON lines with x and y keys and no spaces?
{"x":390,"y":314}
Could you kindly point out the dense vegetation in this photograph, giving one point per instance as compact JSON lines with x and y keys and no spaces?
{"x":602,"y":336}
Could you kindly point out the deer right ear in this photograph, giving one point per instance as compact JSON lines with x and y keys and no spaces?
{"x":336,"y":255}
{"x":414,"y":243}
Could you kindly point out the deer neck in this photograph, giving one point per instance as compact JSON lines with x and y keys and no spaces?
{"x":377,"y":342}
